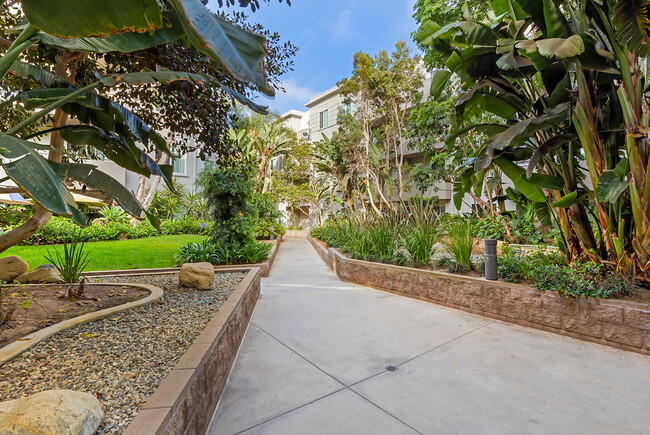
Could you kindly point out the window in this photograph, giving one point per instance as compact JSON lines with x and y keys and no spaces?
{"x":324,"y":119}
{"x":348,"y":108}
{"x":179,"y":164}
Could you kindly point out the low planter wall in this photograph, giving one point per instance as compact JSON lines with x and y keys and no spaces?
{"x":616,"y":323}
{"x":186,"y":399}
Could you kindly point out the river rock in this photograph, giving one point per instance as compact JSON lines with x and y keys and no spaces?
{"x":11,"y":267}
{"x":51,"y":412}
{"x":47,"y":273}
{"x":197,"y":275}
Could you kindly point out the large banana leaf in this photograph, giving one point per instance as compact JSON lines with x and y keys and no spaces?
{"x":89,"y":18}
{"x":167,"y":77}
{"x":111,"y":189}
{"x":123,"y":42}
{"x":632,"y":24}
{"x":515,"y":174}
{"x":99,"y":111}
{"x":115,"y":148}
{"x":32,"y":173}
{"x":240,"y":52}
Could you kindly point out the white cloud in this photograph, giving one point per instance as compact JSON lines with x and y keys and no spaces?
{"x":294,"y":97}
{"x":342,"y":27}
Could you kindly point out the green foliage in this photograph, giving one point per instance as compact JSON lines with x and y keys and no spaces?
{"x":267,"y":217}
{"x":197,"y":252}
{"x":406,"y":235}
{"x":254,"y":252}
{"x":60,"y":230}
{"x":206,"y":251}
{"x":71,"y":261}
{"x":459,"y":243}
{"x":11,"y":214}
{"x":549,"y":271}
{"x":114,"y":214}
{"x":228,"y":192}
{"x":167,"y":204}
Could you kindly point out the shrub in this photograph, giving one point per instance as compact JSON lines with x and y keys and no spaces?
{"x":228,"y":193}
{"x":548,"y":271}
{"x":459,"y":242}
{"x":196,"y":252}
{"x":114,"y":214}
{"x":255,"y":252}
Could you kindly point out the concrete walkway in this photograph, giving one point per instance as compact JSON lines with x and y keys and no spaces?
{"x":324,"y":356}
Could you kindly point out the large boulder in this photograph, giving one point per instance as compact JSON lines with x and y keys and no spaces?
{"x":11,"y":267}
{"x":47,"y":273}
{"x":197,"y":275}
{"x":51,"y":412}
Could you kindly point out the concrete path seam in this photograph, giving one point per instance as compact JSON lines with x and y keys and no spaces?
{"x":290,"y":411}
{"x":379,"y":407}
{"x":423,"y":353}
{"x":298,"y":354}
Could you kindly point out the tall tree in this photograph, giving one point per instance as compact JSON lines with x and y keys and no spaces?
{"x":76,"y":29}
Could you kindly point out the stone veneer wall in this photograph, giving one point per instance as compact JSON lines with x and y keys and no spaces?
{"x":616,"y":323}
{"x":186,"y":399}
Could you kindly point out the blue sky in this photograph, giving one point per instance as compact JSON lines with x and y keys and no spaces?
{"x":328,"y":33}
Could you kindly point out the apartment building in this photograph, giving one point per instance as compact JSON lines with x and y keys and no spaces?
{"x":320,"y":119}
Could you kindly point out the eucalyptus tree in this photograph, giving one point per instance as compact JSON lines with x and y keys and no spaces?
{"x":380,"y":94}
{"x":564,"y":79}
{"x":101,"y":26}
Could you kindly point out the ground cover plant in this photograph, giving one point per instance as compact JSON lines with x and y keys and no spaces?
{"x":141,"y":253}
{"x":549,"y":270}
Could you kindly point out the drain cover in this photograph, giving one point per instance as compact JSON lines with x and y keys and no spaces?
{"x":391,"y":368}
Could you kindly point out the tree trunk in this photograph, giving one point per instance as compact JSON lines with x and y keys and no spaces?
{"x":42,"y":215}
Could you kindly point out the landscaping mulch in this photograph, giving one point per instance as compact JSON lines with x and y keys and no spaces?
{"x":123,"y":358}
{"x":29,"y":308}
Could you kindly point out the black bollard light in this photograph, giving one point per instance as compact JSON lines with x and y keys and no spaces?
{"x":491,"y":270}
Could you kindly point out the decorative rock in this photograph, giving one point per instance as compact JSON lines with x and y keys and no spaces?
{"x":11,"y":267}
{"x":197,"y":275}
{"x":51,"y":412}
{"x":47,"y":273}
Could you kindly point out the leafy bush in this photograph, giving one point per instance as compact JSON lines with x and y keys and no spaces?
{"x":114,"y":214}
{"x":267,"y":217}
{"x":197,"y":252}
{"x":255,"y":252}
{"x":251,"y":253}
{"x":228,"y":193}
{"x":548,"y":271}
{"x":60,"y":230}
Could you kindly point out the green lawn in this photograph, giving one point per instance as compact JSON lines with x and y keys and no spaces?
{"x":119,"y":254}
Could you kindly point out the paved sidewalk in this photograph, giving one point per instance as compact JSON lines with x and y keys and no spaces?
{"x":324,"y":356}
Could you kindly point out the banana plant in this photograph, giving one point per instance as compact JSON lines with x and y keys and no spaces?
{"x":103,"y":26}
{"x":564,"y":82}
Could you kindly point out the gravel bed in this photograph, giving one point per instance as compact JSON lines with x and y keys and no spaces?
{"x":123,"y":358}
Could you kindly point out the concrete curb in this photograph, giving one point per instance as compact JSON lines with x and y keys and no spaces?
{"x":616,"y":323}
{"x":19,"y":346}
{"x":186,"y":399}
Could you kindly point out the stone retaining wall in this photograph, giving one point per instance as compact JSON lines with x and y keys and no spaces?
{"x":186,"y":399}
{"x":616,"y":323}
